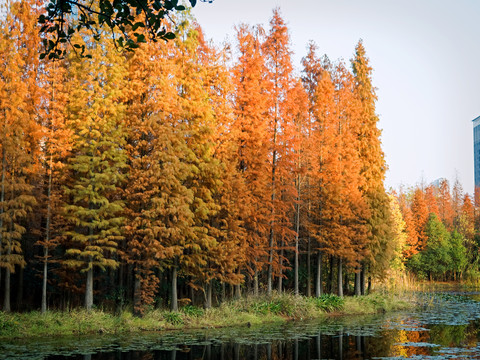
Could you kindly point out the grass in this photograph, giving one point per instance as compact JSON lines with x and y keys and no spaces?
{"x":245,"y":311}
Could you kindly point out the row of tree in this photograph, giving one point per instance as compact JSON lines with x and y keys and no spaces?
{"x":441,"y":241}
{"x":178,"y":169}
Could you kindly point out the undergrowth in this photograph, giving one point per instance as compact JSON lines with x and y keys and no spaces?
{"x":246,"y":311}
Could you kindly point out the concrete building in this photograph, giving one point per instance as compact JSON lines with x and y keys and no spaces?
{"x":476,"y":149}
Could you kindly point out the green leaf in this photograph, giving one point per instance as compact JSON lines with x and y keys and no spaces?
{"x":137,"y":25}
{"x":169,"y":36}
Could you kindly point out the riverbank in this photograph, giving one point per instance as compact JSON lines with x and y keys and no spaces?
{"x":243,"y":312}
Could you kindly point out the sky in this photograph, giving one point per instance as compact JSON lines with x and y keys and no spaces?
{"x":425,"y":56}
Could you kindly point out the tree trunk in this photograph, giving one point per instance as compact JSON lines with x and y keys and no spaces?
{"x":208,"y":295}
{"x":297,"y":232}
{"x":345,"y":283}
{"x":44,"y":284}
{"x":89,"y":288}
{"x":357,"y":282}
{"x":137,"y":299}
{"x":296,"y":288}
{"x":318,"y":285}
{"x":47,"y":239}
{"x":174,"y":302}
{"x":272,"y":221}
{"x":362,"y":280}
{"x":280,"y":275}
{"x":6,"y":299}
{"x":89,"y":284}
{"x":340,"y":278}
{"x":2,"y":200}
{"x":330,"y":275}
{"x":270,"y":262}
{"x":369,"y":284}
{"x":238,"y":287}
{"x":19,"y":302}
{"x":309,"y":274}
{"x":224,"y":292}
{"x":121,"y":299}
{"x":238,"y":291}
{"x":255,"y":282}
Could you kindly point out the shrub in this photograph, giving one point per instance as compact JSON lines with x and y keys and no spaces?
{"x":193,"y":311}
{"x":174,"y":318}
{"x":329,"y":302}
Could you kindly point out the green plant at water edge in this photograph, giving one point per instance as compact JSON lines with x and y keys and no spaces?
{"x":193,"y":311}
{"x":8,"y":324}
{"x":174,"y":318}
{"x":266,"y":307}
{"x":328,"y":302}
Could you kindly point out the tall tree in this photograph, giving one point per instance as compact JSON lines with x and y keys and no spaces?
{"x":420,"y":214}
{"x":19,"y":132}
{"x":373,"y":165}
{"x":277,"y":53}
{"x":95,"y":115}
{"x":445,"y":206}
{"x":250,"y":131}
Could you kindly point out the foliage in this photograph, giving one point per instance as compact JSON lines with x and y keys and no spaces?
{"x":194,"y":169}
{"x":173,"y":318}
{"x":329,"y":302}
{"x":133,"y":19}
{"x":248,"y":310}
{"x":193,"y":311}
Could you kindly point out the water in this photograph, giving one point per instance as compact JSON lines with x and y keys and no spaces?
{"x":445,"y":326}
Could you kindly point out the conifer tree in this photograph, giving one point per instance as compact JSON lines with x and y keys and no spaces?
{"x":250,"y":132}
{"x":373,"y":165}
{"x":445,"y":207}
{"x":19,"y":132}
{"x":157,"y":201}
{"x":276,"y":50}
{"x":412,"y":240}
{"x":420,"y":214}
{"x":92,"y":208}
{"x":195,"y":114}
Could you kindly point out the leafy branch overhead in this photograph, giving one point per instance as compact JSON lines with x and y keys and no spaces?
{"x":127,"y":21}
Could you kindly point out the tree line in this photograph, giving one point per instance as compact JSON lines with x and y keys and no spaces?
{"x":184,"y":170}
{"x":441,"y":231}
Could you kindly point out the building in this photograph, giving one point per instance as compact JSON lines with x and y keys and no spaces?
{"x":476,"y":149}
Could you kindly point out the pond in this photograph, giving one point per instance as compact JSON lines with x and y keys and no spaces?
{"x":445,"y":326}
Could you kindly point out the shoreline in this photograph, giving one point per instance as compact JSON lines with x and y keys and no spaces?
{"x":247,"y":312}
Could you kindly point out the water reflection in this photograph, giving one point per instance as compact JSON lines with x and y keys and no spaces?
{"x":321,"y":346}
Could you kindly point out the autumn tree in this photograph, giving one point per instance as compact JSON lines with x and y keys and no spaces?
{"x":373,"y":165}
{"x":420,"y":214}
{"x":311,"y":76}
{"x":250,"y":133}
{"x":19,"y":132}
{"x":445,"y":206}
{"x":276,"y":50}
{"x":157,"y":202}
{"x":412,"y":244}
{"x":92,"y":209}
{"x":55,"y":148}
{"x":400,"y":235}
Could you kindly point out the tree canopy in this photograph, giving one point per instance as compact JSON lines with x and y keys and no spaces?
{"x":128,"y":22}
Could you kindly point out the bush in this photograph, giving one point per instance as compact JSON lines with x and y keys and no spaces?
{"x":174,"y":318}
{"x":193,"y":311}
{"x":328,"y":302}
{"x":8,"y":324}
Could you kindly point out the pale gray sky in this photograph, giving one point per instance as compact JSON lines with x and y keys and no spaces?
{"x":425,"y":55}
